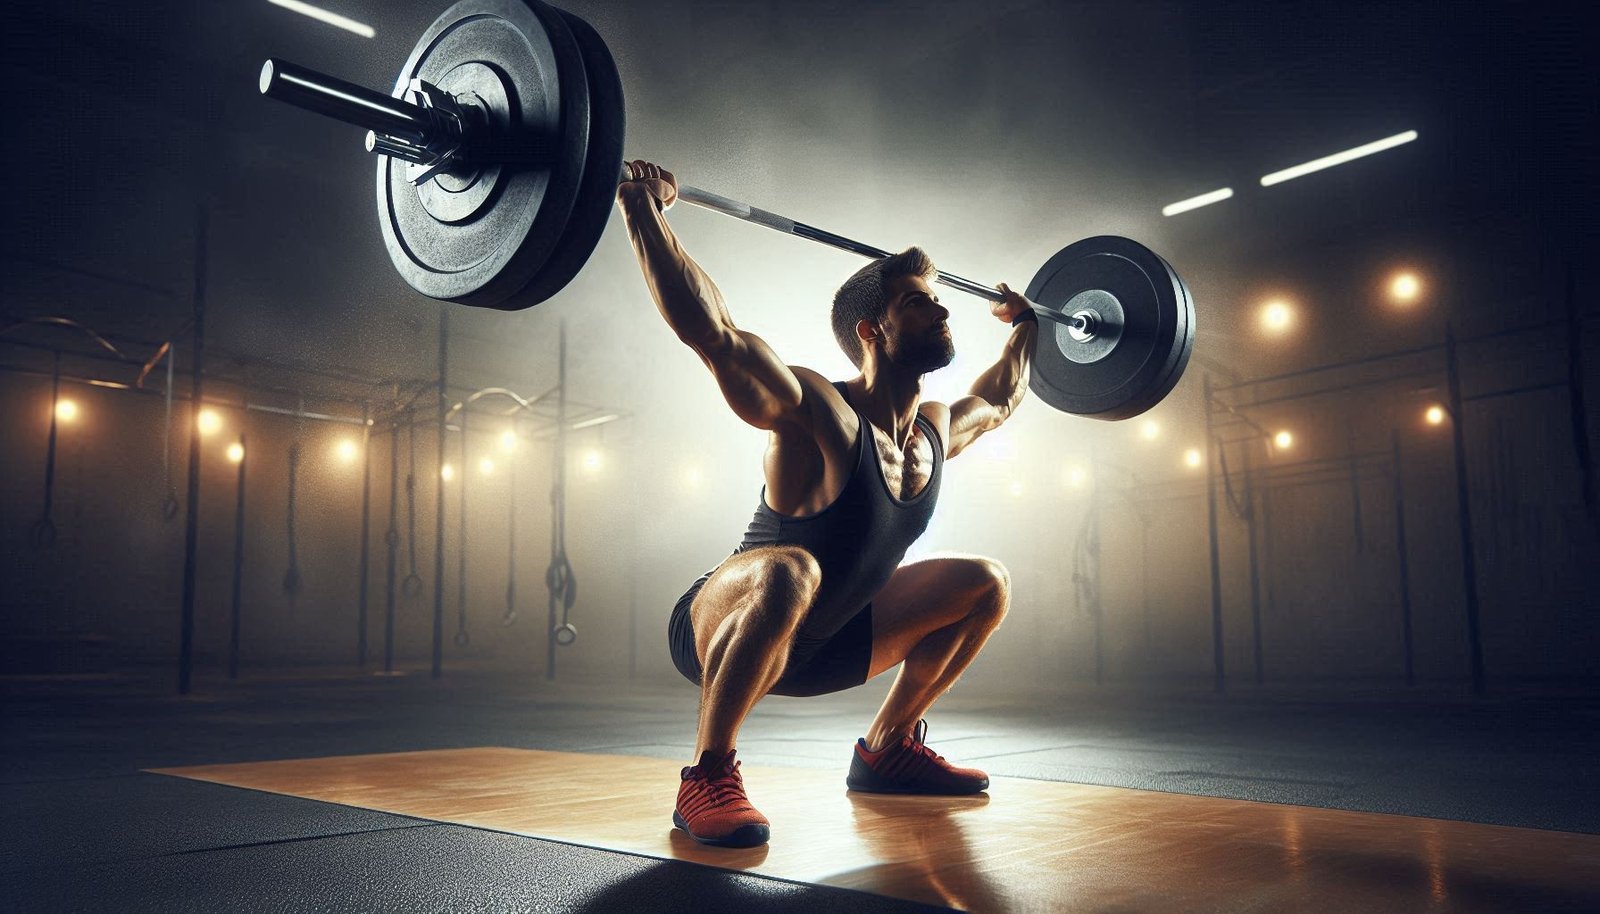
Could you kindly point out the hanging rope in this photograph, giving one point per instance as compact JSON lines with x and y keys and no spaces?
{"x":510,"y":616}
{"x":291,"y":575}
{"x":413,"y":582}
{"x":43,"y":533}
{"x":559,"y":577}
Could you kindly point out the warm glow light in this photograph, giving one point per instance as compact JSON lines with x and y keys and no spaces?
{"x":66,"y":410}
{"x":1016,"y":489}
{"x":322,"y":15}
{"x":1434,"y":415}
{"x":1405,"y":287}
{"x":235,"y":452}
{"x":592,"y":461}
{"x":210,"y":421}
{"x":486,"y":466}
{"x":1338,"y":158}
{"x":692,"y":476}
{"x":1150,"y":430}
{"x":508,"y":440}
{"x":1282,"y":440}
{"x":1183,"y":206}
{"x":347,"y":450}
{"x":1276,"y":317}
{"x":1192,"y":457}
{"x":447,"y":472}
{"x":1076,"y":477}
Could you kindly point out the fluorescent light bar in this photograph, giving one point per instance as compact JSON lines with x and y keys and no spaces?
{"x":322,"y":15}
{"x":591,"y":423}
{"x":1183,"y":206}
{"x":1339,"y":158}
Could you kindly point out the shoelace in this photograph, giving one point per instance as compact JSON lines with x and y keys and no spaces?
{"x":726,"y":783}
{"x":919,"y":735}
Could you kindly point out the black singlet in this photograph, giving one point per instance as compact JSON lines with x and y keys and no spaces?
{"x":858,"y":540}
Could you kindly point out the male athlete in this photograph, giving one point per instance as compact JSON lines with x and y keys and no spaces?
{"x":814,"y":600}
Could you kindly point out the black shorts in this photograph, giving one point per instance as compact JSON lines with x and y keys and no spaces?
{"x":816,"y":667}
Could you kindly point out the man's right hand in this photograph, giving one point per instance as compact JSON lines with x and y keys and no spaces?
{"x":654,"y":180}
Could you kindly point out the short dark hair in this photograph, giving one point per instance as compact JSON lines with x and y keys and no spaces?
{"x":864,"y":296}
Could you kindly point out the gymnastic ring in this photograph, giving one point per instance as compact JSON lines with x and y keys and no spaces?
{"x":566,"y":633}
{"x":412,"y":585}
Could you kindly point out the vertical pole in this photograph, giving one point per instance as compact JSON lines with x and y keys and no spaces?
{"x":1400,"y":554}
{"x":1255,"y":576}
{"x":558,"y":499}
{"x":438,"y":500}
{"x":392,"y":538}
{"x":1469,"y":564}
{"x":366,"y":534}
{"x":238,"y":563}
{"x":461,"y":517}
{"x":1212,"y":447}
{"x":1355,"y":487}
{"x":191,"y":542}
{"x":1575,"y":405}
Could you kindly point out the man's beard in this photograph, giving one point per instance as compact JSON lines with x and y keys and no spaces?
{"x":923,"y":355}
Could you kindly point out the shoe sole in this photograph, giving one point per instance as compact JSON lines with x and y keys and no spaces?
{"x":749,"y":835}
{"x":872,"y":788}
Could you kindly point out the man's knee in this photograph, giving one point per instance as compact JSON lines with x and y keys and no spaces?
{"x":791,"y":572}
{"x":994,"y":588}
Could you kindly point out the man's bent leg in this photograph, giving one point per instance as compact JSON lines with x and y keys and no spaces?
{"x":934,"y":615}
{"x":744,"y":622}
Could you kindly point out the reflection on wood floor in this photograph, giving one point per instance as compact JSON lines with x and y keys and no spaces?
{"x":1025,"y":846}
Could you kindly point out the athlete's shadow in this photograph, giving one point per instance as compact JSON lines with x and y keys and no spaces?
{"x":922,"y":849}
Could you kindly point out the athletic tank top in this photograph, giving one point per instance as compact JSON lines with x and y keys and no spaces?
{"x":860,"y":538}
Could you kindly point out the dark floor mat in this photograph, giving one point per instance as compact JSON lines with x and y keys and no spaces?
{"x":429,"y":868}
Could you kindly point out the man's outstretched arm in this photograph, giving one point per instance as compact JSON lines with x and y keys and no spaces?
{"x":760,"y":388}
{"x":997,"y":392}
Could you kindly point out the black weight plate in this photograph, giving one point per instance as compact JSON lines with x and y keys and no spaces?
{"x":598,"y":191}
{"x":486,"y":258}
{"x":1156,"y":335}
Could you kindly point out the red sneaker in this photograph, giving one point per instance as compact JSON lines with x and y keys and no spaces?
{"x":909,"y":766}
{"x":713,"y":808}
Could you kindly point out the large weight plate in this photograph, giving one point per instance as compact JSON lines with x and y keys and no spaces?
{"x":598,"y":191}
{"x":1143,"y":344}
{"x":483,"y":245}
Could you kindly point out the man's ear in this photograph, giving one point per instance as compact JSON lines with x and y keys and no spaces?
{"x":867,"y":331}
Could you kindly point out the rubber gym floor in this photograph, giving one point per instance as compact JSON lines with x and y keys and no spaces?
{"x":90,"y":827}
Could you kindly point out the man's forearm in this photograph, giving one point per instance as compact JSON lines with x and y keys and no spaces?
{"x":687,"y":298}
{"x":1006,"y":381}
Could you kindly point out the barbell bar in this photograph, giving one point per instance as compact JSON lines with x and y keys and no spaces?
{"x":438,"y":136}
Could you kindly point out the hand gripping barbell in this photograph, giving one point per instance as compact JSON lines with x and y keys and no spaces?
{"x":500,"y":149}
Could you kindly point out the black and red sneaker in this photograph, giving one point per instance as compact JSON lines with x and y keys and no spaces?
{"x":713,"y":808}
{"x":909,"y":766}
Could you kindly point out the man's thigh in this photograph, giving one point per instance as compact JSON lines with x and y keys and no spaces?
{"x":925,"y":596}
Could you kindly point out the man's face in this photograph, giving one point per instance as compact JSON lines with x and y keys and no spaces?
{"x":916,"y":336}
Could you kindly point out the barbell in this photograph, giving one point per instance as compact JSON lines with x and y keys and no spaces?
{"x":500,"y":150}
